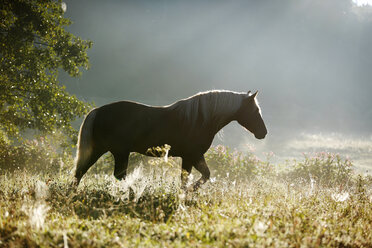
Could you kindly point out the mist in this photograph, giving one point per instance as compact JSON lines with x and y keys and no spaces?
{"x":310,"y":61}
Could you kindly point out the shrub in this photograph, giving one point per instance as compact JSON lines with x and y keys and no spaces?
{"x":325,"y":168}
{"x":234,"y":164}
{"x":38,"y":155}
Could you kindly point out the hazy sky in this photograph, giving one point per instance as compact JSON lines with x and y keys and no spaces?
{"x":311,"y":60}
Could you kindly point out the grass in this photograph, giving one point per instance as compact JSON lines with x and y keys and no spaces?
{"x":248,"y":203}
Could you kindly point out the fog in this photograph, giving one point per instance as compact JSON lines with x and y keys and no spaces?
{"x":310,"y":60}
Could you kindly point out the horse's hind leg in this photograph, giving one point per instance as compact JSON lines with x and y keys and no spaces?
{"x":121,"y":164}
{"x":83,"y":165}
{"x":186,"y":169}
{"x":202,"y":167}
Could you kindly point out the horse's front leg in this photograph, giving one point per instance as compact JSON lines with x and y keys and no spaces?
{"x":202,"y":167}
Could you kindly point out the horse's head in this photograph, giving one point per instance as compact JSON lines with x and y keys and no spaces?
{"x":249,"y":116}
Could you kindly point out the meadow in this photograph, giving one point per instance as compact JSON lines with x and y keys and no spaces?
{"x":318,"y":201}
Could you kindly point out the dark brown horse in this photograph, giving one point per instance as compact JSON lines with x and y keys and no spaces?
{"x":187,"y":126}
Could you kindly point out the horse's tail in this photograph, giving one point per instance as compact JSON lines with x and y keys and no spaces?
{"x":85,"y":144}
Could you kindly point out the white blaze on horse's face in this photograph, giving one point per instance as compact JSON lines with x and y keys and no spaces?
{"x":250,"y":116}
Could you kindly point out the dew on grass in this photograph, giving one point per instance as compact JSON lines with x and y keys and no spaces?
{"x":166,"y":156}
{"x":36,"y":214}
{"x":41,"y":190}
{"x":340,"y":197}
{"x":189,"y":180}
{"x":65,"y":241}
{"x":136,"y":181}
{"x":182,"y":196}
{"x":260,"y":228}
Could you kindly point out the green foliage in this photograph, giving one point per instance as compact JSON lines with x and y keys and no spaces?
{"x":34,"y":45}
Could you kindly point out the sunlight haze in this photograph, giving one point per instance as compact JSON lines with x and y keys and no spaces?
{"x":310,"y":60}
{"x":362,"y":2}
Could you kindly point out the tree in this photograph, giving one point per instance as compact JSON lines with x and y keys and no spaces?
{"x":34,"y":46}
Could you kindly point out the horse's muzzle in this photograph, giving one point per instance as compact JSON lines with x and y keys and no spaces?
{"x":260,"y":136}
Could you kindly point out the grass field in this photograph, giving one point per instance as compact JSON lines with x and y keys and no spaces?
{"x":316,"y":202}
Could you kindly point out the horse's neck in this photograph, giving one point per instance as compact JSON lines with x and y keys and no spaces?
{"x":220,"y":120}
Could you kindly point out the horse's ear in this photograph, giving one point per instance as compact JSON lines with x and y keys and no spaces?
{"x":249,"y":92}
{"x":255,"y":94}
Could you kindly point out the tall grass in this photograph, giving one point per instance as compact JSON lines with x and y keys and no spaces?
{"x":317,"y":201}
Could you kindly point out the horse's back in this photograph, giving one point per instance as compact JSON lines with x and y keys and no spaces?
{"x":121,"y":111}
{"x":126,"y":123}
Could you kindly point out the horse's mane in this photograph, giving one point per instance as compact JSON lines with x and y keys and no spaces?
{"x":208,"y":106}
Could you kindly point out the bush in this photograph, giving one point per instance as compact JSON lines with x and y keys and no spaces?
{"x":234,"y":164}
{"x":325,"y":168}
{"x":37,"y":155}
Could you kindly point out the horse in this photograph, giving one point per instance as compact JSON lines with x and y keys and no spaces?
{"x":187,"y":126}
